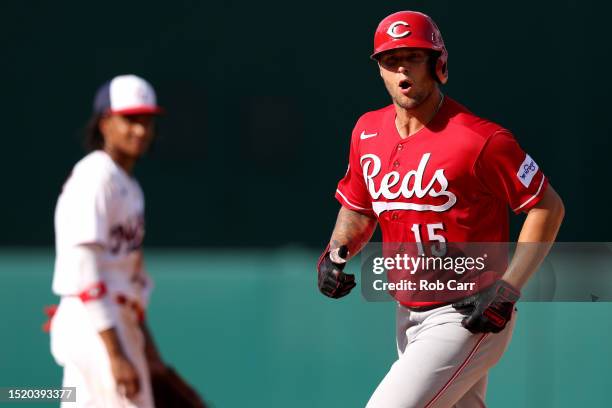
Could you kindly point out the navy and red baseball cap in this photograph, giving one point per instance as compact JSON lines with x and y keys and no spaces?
{"x":126,"y":95}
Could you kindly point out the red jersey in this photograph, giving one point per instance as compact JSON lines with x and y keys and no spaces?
{"x":452,"y":181}
{"x":460,"y":171}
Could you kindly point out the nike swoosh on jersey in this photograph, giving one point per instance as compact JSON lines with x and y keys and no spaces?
{"x":365,"y":135}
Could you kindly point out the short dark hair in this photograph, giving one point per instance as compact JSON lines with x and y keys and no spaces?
{"x":94,"y":140}
{"x":433,"y":61}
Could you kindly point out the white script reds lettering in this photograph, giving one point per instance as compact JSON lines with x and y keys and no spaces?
{"x":371,"y":166}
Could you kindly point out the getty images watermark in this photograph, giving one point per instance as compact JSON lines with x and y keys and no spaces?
{"x":406,"y":264}
{"x":446,"y":272}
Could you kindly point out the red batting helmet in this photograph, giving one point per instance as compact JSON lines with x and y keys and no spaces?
{"x":411,"y":29}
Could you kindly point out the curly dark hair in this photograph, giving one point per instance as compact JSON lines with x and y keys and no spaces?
{"x":94,"y":140}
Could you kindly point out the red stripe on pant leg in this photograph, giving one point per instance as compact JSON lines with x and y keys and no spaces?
{"x":461,"y":367}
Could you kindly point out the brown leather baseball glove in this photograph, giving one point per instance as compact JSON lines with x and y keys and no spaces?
{"x":170,"y":390}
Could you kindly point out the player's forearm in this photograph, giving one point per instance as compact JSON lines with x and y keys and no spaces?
{"x":99,"y":309}
{"x":537,"y":236}
{"x":352,"y":229}
{"x":111,"y":342}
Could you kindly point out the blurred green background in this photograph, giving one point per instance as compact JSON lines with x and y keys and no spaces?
{"x":261,"y":98}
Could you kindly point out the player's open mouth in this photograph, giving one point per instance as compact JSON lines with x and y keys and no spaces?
{"x":405,"y":85}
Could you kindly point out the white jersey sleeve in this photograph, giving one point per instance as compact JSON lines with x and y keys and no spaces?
{"x":84,"y":209}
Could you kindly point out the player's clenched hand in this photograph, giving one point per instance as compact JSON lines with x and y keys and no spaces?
{"x":332,"y":281}
{"x":489,"y":310}
{"x":126,"y":376}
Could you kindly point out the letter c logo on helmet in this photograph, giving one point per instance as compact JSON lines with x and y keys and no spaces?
{"x":412,"y":29}
{"x":392,"y":31}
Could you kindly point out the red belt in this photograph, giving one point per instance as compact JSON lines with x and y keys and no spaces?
{"x":424,"y":307}
{"x":95,"y":291}
{"x":50,"y":312}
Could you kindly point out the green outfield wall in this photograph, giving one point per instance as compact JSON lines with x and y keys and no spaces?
{"x":248,"y":328}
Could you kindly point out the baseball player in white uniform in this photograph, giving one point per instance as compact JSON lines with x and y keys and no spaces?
{"x":98,"y":333}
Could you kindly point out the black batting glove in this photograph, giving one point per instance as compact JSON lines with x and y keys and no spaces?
{"x":332,"y":281}
{"x":489,"y":310}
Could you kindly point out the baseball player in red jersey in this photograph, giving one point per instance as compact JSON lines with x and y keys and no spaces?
{"x":428,"y":170}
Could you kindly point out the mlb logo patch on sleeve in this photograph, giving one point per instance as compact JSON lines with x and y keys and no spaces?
{"x":527,"y":170}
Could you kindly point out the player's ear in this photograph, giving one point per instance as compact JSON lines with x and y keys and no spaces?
{"x":104,"y":123}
